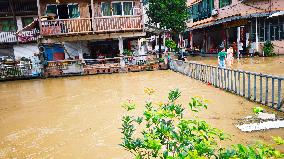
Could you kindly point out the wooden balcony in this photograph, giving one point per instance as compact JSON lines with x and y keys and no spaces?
{"x":85,"y":26}
{"x":119,"y":23}
{"x":23,"y":37}
{"x":8,"y":37}
{"x":66,"y":26}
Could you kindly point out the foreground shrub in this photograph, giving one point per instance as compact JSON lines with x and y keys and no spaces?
{"x":163,"y":132}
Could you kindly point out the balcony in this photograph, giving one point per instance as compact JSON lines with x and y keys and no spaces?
{"x":84,"y":25}
{"x":23,"y":37}
{"x":120,"y":23}
{"x":66,"y":26}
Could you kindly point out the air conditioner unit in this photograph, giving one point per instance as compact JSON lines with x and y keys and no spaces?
{"x":214,"y":12}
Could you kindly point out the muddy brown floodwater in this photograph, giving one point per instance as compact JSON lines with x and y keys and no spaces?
{"x":266,"y":65}
{"x":79,"y":117}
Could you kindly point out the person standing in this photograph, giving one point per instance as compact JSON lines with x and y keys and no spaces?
{"x":221,"y":58}
{"x":230,"y":56}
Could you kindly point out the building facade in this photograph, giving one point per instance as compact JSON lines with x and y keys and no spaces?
{"x":245,"y":24}
{"x":18,"y":38}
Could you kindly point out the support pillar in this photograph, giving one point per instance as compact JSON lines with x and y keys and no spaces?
{"x":190,"y":40}
{"x":256,"y":35}
{"x":238,"y":40}
{"x":120,"y":45}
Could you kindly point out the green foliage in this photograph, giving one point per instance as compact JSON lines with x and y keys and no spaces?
{"x":268,"y":49}
{"x":163,"y":132}
{"x":170,"y":14}
{"x":257,"y":110}
{"x":171,"y":44}
{"x":129,"y":105}
{"x":127,"y":52}
{"x":278,"y":140}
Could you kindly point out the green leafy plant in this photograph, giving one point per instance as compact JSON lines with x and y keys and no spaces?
{"x":163,"y":132}
{"x":257,"y":110}
{"x":268,"y":49}
{"x":171,"y":44}
{"x":127,"y":52}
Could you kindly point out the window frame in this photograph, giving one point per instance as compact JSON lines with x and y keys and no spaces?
{"x":224,"y":5}
{"x":122,"y":8}
{"x":68,"y":4}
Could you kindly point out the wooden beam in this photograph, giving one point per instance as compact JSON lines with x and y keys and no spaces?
{"x":39,"y":16}
{"x":14,"y":16}
{"x":93,"y":16}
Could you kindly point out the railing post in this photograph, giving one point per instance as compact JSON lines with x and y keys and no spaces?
{"x":272,"y":92}
{"x":266,"y":91}
{"x":279,"y":94}
{"x":248,"y":85}
{"x":232,"y":82}
{"x":235,"y":79}
{"x":254,"y":88}
{"x":260,"y":91}
{"x":244,"y":84}
{"x":239,"y":80}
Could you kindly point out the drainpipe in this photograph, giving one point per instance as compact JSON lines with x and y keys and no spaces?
{"x":93,"y":16}
{"x":256,"y":35}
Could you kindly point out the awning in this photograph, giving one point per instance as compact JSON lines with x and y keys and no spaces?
{"x":233,"y":18}
{"x":29,"y":27}
{"x":277,"y":14}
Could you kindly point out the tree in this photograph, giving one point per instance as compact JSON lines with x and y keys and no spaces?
{"x":169,"y":14}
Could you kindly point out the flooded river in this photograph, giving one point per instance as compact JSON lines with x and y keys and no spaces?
{"x":79,"y":117}
{"x":266,"y":65}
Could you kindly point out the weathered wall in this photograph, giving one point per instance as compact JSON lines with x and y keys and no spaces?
{"x":239,"y":8}
{"x":278,"y":47}
{"x":83,"y":5}
{"x":25,"y":50}
{"x":77,"y":48}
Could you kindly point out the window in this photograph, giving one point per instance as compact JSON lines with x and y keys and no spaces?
{"x":268,"y":29}
{"x":7,"y":24}
{"x":127,"y":8}
{"x":117,"y":8}
{"x":223,"y":3}
{"x":64,"y":11}
{"x":27,"y":20}
{"x":73,"y":11}
{"x":202,"y":10}
{"x":106,"y":9}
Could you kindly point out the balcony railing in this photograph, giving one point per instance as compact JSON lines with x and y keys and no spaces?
{"x":120,"y":23}
{"x":8,"y":37}
{"x":24,"y":36}
{"x":66,"y":26}
{"x":84,"y":25}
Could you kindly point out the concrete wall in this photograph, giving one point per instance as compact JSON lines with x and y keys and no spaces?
{"x":238,"y":8}
{"x":77,"y":48}
{"x":25,"y":50}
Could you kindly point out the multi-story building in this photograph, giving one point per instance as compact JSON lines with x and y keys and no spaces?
{"x":244,"y":23}
{"x":18,"y":37}
{"x":91,"y":28}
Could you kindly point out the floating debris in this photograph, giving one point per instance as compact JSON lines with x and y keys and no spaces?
{"x":260,"y":121}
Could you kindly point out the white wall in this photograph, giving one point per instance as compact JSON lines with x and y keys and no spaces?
{"x":76,"y":48}
{"x":25,"y":50}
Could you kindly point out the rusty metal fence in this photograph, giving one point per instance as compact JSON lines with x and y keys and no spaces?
{"x":261,"y":88}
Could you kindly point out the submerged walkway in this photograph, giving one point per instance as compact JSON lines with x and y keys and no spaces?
{"x":79,"y":117}
{"x":262,"y":88}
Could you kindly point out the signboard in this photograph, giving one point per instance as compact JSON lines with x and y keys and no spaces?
{"x":232,"y":24}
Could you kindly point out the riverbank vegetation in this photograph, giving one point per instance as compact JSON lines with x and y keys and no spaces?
{"x":164,"y":132}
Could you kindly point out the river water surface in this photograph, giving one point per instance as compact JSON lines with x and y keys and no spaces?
{"x":79,"y":117}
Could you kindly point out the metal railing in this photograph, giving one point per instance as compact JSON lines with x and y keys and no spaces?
{"x":261,"y":88}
